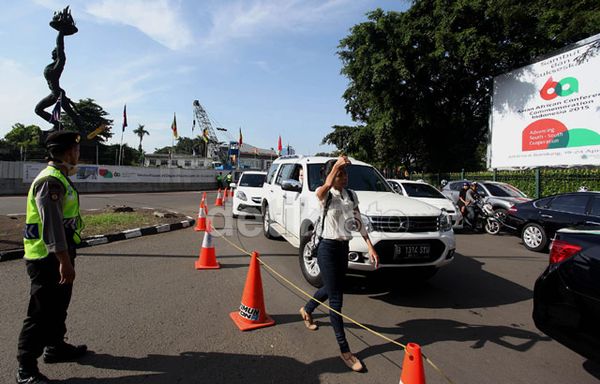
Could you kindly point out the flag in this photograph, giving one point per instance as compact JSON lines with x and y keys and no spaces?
{"x":241,"y":139}
{"x":55,"y":118}
{"x":193,"y":125}
{"x":279,"y":147}
{"x":205,"y":135}
{"x":124,"y":117}
{"x":174,"y":127}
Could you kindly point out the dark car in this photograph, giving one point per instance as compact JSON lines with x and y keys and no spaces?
{"x":537,"y":221}
{"x":566,"y":297}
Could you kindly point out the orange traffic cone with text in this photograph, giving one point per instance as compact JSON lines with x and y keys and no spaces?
{"x":252,"y":313}
{"x":219,"y":201}
{"x":412,"y":367}
{"x":208,"y":257}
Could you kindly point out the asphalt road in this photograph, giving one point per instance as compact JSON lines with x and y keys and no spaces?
{"x":150,"y":317}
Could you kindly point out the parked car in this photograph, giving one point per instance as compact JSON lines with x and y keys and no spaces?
{"x":406,"y":233}
{"x":566,"y":297}
{"x":247,"y":199}
{"x":537,"y":221}
{"x":427,"y":193}
{"x":502,"y":196}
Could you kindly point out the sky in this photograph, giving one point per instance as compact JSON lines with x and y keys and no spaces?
{"x":267,"y":67}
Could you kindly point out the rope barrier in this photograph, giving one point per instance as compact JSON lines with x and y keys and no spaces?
{"x":309,"y":296}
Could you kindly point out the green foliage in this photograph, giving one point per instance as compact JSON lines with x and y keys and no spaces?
{"x":186,"y":146}
{"x":420,"y":81}
{"x":552,"y":180}
{"x":28,"y":137}
{"x":92,"y":116}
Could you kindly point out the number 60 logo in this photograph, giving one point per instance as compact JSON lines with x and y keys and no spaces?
{"x":565,"y":87}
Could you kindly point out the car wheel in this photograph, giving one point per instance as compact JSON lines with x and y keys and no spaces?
{"x":534,"y":237}
{"x":308,"y":264}
{"x":269,"y":232}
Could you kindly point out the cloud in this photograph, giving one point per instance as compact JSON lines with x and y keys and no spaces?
{"x":159,"y":19}
{"x":244,"y":19}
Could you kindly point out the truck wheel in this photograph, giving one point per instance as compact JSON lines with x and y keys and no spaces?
{"x":308,"y":264}
{"x":534,"y":237}
{"x":269,"y":232}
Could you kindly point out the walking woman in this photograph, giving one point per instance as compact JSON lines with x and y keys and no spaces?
{"x":332,"y":256}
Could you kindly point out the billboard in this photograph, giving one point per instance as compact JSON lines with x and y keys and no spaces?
{"x":124,"y":174}
{"x":548,"y":113}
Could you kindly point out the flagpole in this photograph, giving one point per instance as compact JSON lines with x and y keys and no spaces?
{"x":121,"y":147}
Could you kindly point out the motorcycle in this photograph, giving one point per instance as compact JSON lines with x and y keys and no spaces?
{"x":484,"y":218}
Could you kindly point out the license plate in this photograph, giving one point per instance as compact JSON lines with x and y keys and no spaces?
{"x":411,"y":251}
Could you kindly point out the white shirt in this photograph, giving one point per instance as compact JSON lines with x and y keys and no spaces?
{"x":340,"y":215}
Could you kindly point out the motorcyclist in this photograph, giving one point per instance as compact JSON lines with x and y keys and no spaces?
{"x":472,"y":197}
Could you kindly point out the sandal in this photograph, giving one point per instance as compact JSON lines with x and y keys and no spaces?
{"x":352,"y":362}
{"x":308,"y":320}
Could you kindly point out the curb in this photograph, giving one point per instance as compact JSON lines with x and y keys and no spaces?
{"x":14,"y":254}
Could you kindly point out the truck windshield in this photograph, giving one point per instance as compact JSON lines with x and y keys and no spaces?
{"x":360,"y":178}
{"x":422,"y":190}
{"x":252,"y":180}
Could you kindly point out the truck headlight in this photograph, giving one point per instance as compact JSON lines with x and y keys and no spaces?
{"x":241,"y":195}
{"x":445,"y":224}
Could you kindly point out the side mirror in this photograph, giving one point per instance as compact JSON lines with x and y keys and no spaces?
{"x":232,"y":185}
{"x":291,"y":185}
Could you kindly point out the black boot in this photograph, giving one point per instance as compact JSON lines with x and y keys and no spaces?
{"x":31,"y":377}
{"x":63,"y":352}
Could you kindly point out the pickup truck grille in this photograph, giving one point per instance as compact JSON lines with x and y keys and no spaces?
{"x":404,"y":223}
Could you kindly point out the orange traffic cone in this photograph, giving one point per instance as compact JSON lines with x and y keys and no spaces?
{"x":412,"y":367}
{"x":207,"y":258}
{"x":219,"y":201}
{"x":252,"y":313}
{"x":231,"y":192}
{"x":201,"y":222}
{"x":225,"y":195}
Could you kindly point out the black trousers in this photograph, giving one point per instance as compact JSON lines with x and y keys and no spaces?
{"x":47,"y":311}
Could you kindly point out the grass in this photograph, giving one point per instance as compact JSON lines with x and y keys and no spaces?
{"x":104,"y":223}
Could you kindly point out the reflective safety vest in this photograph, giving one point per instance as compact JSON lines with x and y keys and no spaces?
{"x":35,"y":248}
{"x":229,"y":178}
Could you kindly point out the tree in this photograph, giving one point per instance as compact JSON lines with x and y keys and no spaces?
{"x":92,"y":116}
{"x":186,"y":146}
{"x":421,"y":81}
{"x":21,"y":136}
{"x":141,"y":132}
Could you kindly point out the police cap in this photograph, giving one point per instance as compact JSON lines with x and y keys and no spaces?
{"x":62,"y":140}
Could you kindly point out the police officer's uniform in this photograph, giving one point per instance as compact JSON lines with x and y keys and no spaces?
{"x":53,"y":224}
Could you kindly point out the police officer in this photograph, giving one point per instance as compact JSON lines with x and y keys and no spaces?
{"x":220,"y":180}
{"x":229,"y":179}
{"x":52,"y":231}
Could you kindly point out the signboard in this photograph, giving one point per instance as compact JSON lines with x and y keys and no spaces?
{"x":548,"y":113}
{"x":116,"y":174}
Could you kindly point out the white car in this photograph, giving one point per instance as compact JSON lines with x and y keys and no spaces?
{"x":406,"y":233}
{"x":248,"y":195}
{"x":427,"y":193}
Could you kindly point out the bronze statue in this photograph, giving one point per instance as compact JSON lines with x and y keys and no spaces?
{"x":65,"y":25}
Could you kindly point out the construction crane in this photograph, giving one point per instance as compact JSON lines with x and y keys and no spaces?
{"x":213,"y":145}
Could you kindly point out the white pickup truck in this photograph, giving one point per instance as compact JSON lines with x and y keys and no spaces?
{"x":405,"y":232}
